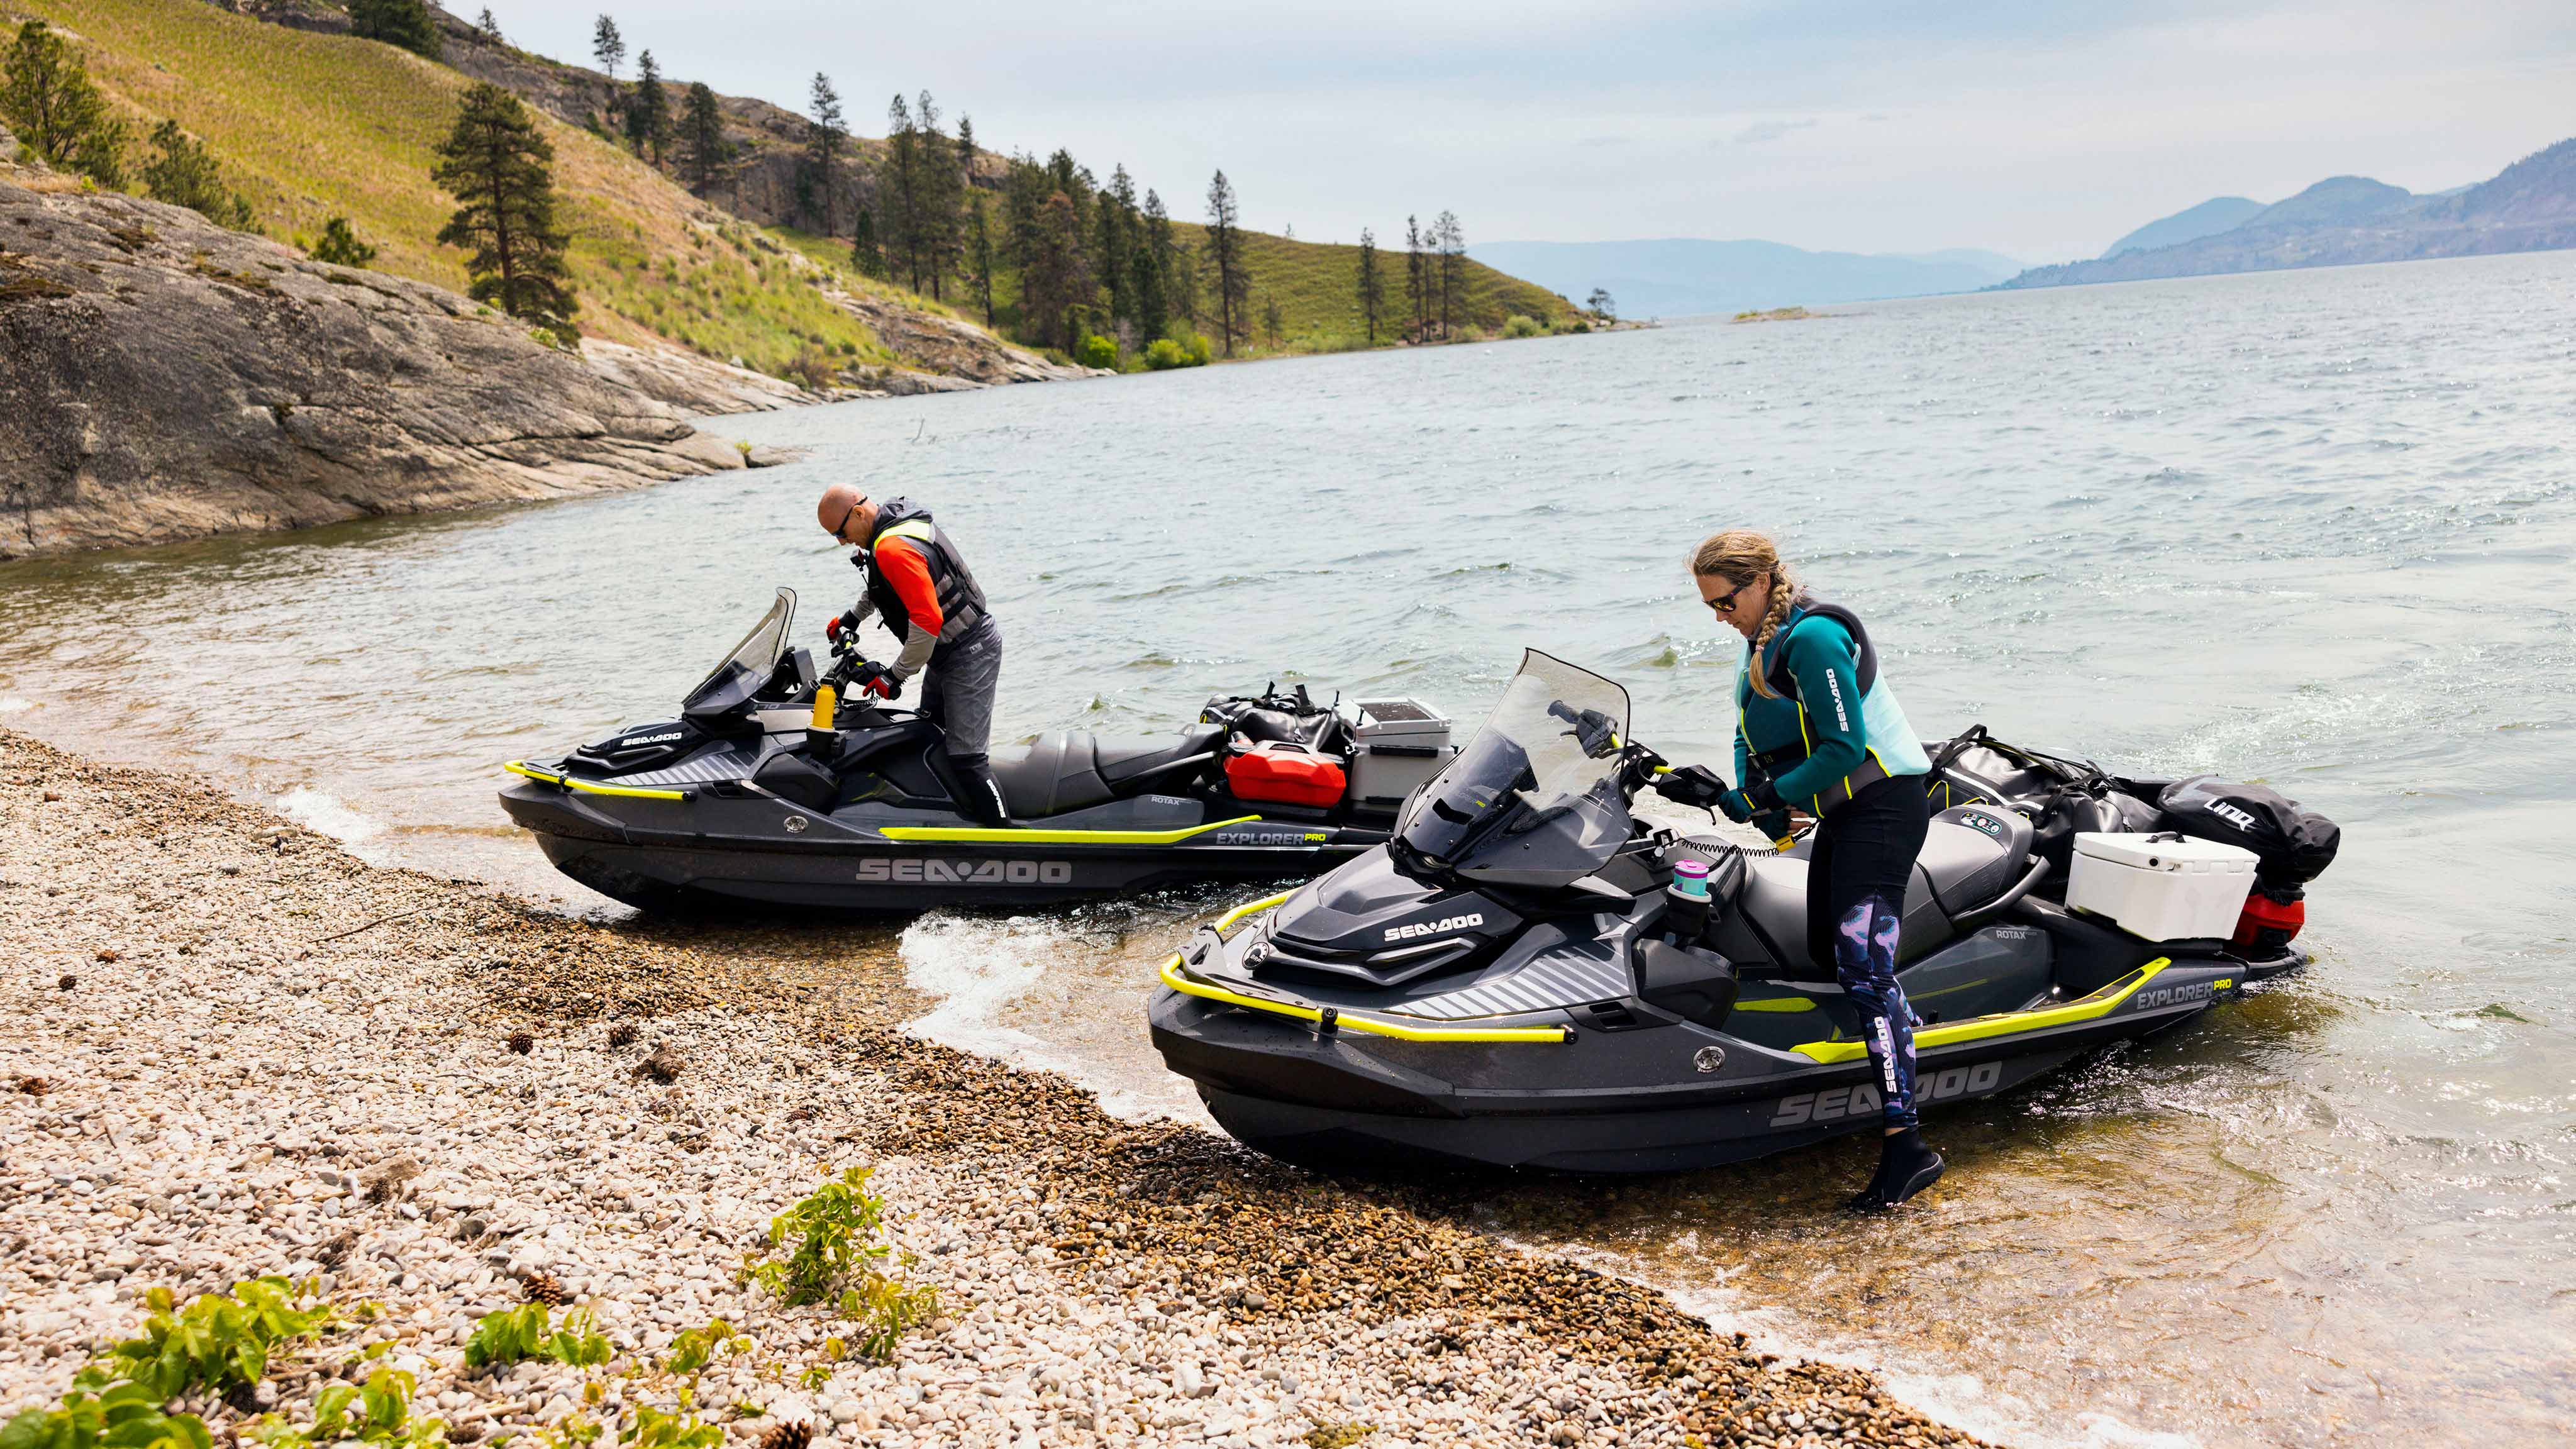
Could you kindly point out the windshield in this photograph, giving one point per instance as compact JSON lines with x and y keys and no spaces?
{"x":750,"y":663}
{"x":1535,"y":797}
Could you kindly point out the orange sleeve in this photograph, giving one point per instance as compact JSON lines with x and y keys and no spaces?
{"x":906,"y":569}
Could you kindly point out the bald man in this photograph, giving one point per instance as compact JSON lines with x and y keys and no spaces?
{"x":919,"y":585}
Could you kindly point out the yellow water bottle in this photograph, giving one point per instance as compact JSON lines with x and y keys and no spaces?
{"x":827,"y":706}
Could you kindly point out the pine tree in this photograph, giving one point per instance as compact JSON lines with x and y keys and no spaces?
{"x":903,"y":195}
{"x":703,"y":148}
{"x":648,"y":111}
{"x":498,"y":165}
{"x":1601,"y":304}
{"x":339,"y":245}
{"x":818,"y":176}
{"x":1372,"y":284}
{"x":865,"y":254}
{"x":1115,"y":225}
{"x":607,"y":46}
{"x":48,"y":100}
{"x":1452,"y":242}
{"x":1058,"y":280}
{"x":1274,"y":323}
{"x":940,"y":182}
{"x":1149,"y":300}
{"x":1174,"y":269}
{"x":396,"y":22}
{"x":487,"y":29}
{"x":183,"y":173}
{"x":980,"y":239}
{"x":1225,"y":253}
{"x":1416,"y":290}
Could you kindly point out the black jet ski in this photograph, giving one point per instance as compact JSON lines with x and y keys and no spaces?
{"x":1512,"y":982}
{"x":779,"y":786}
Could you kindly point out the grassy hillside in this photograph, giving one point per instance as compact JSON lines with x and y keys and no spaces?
{"x":310,"y":126}
{"x":1317,"y":287}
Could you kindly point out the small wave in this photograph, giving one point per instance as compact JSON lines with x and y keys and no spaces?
{"x":320,"y":811}
{"x":978,"y":966}
{"x":14,"y":705}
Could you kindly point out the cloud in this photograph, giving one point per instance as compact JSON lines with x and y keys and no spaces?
{"x":1761,"y":131}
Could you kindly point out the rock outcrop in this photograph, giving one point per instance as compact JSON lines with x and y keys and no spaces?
{"x":163,"y":378}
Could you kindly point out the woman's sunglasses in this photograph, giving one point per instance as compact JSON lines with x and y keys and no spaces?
{"x":1725,"y":603}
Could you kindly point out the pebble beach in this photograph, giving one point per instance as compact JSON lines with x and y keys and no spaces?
{"x":229,"y":1048}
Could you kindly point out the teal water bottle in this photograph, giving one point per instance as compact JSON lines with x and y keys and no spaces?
{"x":1686,"y":902}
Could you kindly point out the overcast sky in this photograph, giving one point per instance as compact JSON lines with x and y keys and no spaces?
{"x":2040,"y":130}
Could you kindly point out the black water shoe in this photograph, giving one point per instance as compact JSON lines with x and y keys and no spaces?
{"x":1905,"y":1167}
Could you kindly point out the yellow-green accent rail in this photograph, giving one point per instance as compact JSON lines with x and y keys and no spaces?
{"x":1179,"y":979}
{"x":976,"y":835}
{"x":1182,"y":982}
{"x":590,"y":787}
{"x":2091,"y":1008}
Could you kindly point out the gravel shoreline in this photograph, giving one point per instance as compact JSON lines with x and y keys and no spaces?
{"x":231,"y":1048}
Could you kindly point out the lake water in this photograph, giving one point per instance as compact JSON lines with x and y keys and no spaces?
{"x":2312,"y":528}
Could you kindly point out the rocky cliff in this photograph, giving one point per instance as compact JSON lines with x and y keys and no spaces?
{"x":162,"y":378}
{"x":2530,"y":206}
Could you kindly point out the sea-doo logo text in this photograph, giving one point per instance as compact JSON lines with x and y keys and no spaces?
{"x":1834,"y":687}
{"x":966,"y":872}
{"x":666,"y":736}
{"x":1863,"y":1100}
{"x":2224,"y":811}
{"x":1434,"y":928}
{"x":2173,"y":995}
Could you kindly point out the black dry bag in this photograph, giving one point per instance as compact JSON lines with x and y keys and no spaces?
{"x":2292,"y":845}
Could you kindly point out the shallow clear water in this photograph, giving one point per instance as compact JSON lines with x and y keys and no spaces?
{"x":2312,"y":528}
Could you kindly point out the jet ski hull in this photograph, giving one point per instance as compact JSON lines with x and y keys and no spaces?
{"x":1665,"y":1097}
{"x":709,"y":853}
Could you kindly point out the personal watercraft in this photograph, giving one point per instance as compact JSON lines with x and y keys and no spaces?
{"x":1510,"y":981}
{"x":782,"y":786}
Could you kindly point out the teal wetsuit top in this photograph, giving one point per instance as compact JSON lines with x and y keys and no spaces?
{"x":1825,"y":737}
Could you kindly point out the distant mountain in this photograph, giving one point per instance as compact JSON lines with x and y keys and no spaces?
{"x":1684,"y":277}
{"x":2529,"y":206}
{"x":2219,"y":213}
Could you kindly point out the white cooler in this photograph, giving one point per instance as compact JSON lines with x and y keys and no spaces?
{"x":2163,"y":887}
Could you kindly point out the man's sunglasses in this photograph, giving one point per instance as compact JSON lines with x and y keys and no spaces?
{"x":841,"y":530}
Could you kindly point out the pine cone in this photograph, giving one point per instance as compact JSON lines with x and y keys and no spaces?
{"x":795,"y":1434}
{"x":622,"y":1034}
{"x":662,"y":1066}
{"x":34,"y":1086}
{"x":522,"y":1043}
{"x":540,"y":1286}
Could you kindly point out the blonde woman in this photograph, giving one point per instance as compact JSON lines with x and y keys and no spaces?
{"x":1818,"y":729}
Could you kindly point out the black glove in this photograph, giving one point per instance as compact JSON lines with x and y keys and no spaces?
{"x":1736,"y":807}
{"x":878,"y":680}
{"x":1694,"y":785}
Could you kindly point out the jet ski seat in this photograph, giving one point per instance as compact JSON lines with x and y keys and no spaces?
{"x":1963,"y":865}
{"x":1065,"y":770}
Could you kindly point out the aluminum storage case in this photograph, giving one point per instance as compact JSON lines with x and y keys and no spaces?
{"x":1396,"y":744}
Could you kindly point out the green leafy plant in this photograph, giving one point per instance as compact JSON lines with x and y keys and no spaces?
{"x":376,"y":1412}
{"x":219,"y":1340}
{"x":833,"y":1242}
{"x":1097,"y":351}
{"x":1518,"y":325}
{"x":339,"y":245}
{"x":100,"y":1414}
{"x":527,"y":1332}
{"x":650,"y":1428}
{"x":691,"y":1350}
{"x":885,"y":1310}
{"x":834,"y":1233}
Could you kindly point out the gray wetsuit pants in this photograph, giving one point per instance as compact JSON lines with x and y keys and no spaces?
{"x":957,"y":690}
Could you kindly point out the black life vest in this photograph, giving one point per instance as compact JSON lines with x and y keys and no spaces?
{"x":961,"y":599}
